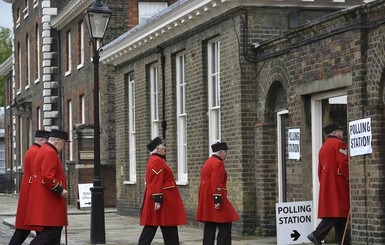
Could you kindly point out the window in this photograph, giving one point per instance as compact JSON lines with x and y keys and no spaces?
{"x":68,"y":54}
{"x":181,"y":118}
{"x":82,"y":106}
{"x":154,"y":101}
{"x":25,"y":11}
{"x":38,"y":118}
{"x":80,"y":45}
{"x":131,"y":127}
{"x":17,"y":17}
{"x":37,"y":53}
{"x":148,"y":9}
{"x":214,"y":92}
{"x":21,"y":133}
{"x":27,"y":61}
{"x":19,"y":67}
{"x":70,"y":134}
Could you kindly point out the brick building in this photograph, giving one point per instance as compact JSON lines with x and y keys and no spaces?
{"x":244,"y":72}
{"x":190,"y":75}
{"x":331,"y":70}
{"x":51,"y":83}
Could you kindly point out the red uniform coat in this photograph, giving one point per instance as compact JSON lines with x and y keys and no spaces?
{"x":333,"y":174}
{"x":24,"y":190}
{"x":160,"y":183}
{"x":45,"y":206}
{"x":213,"y":183}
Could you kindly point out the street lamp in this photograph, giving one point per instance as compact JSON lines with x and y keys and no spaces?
{"x":97,"y":18}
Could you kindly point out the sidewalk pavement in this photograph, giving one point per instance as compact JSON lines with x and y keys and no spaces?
{"x":119,"y":229}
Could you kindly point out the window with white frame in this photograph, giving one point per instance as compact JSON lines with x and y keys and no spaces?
{"x":37,"y":53}
{"x":38,"y":117}
{"x":21,"y":134}
{"x":154,"y":101}
{"x":17,"y":17}
{"x":131,"y":127}
{"x":25,"y":11}
{"x":27,"y":61}
{"x":148,"y":9}
{"x":68,"y":54}
{"x":214,"y":91}
{"x":81,"y":44}
{"x":82,"y":105}
{"x":181,"y":118}
{"x":70,"y":134}
{"x":19,"y":60}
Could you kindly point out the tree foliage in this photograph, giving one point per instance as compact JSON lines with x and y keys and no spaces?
{"x":5,"y":52}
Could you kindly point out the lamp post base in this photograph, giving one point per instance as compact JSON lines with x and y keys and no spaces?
{"x":98,"y":233}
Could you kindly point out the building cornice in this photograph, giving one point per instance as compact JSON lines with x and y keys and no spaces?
{"x":187,"y":14}
{"x":70,"y":12}
{"x":6,"y":66}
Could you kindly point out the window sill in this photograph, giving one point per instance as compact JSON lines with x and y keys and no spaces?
{"x":182,"y":182}
{"x":129,"y":182}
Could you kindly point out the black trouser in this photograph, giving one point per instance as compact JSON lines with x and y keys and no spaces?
{"x":19,"y":236}
{"x":327,"y":224}
{"x":50,"y":235}
{"x":224,"y":233}
{"x":170,"y":235}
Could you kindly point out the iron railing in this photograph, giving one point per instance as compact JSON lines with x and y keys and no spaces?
{"x":10,"y":182}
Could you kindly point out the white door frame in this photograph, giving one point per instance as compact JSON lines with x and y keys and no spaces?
{"x":317,"y":136}
{"x":280,"y":157}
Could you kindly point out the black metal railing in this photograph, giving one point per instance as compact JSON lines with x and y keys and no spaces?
{"x":10,"y":182}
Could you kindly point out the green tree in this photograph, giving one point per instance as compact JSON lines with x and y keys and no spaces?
{"x":5,"y":52}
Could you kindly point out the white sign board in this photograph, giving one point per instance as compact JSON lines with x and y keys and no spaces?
{"x":294,"y":222}
{"x":85,"y":195}
{"x":360,"y":140}
{"x":293,"y":144}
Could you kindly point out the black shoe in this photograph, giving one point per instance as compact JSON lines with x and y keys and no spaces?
{"x":314,"y":239}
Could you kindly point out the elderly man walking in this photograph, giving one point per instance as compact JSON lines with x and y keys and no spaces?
{"x":47,"y":197}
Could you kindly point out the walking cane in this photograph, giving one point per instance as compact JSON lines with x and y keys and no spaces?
{"x":66,"y":220}
{"x":346,"y":228}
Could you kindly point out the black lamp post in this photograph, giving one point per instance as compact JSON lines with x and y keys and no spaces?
{"x":97,"y":18}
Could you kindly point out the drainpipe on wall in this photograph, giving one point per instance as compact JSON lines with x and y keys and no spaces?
{"x":162,"y":64}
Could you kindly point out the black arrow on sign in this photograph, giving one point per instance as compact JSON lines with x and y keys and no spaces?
{"x":295,"y":235}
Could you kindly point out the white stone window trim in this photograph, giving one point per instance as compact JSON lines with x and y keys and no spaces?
{"x":214,"y":108}
{"x":154,"y":101}
{"x":181,"y":119}
{"x":132,"y":128}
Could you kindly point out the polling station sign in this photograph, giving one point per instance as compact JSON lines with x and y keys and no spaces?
{"x":294,"y":222}
{"x":293,"y":143}
{"x":360,"y":137}
{"x":85,"y":195}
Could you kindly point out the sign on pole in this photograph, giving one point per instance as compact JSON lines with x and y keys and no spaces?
{"x":85,"y":195}
{"x":294,"y":222}
{"x":293,"y":144}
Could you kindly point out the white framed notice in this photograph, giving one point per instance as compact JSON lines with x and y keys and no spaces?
{"x":85,"y":195}
{"x":294,"y":143}
{"x":360,"y":137}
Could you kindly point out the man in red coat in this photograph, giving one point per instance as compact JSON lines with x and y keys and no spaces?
{"x":334,"y":197}
{"x":214,"y":208}
{"x":22,"y":231}
{"x":162,"y":204}
{"x":47,"y":196}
